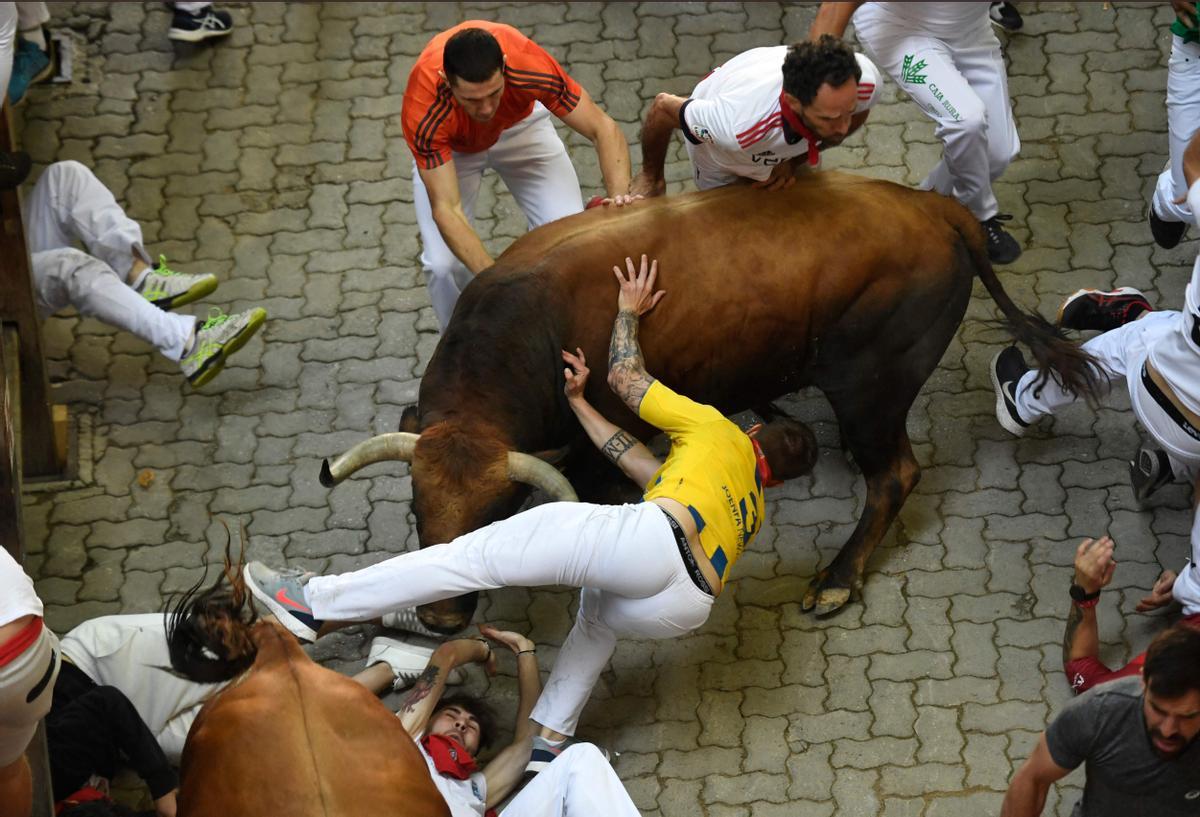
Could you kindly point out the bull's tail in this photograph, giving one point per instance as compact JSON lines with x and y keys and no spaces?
{"x":1055,"y":354}
{"x":209,"y":629}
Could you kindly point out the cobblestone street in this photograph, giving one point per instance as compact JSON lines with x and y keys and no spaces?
{"x":274,"y":158}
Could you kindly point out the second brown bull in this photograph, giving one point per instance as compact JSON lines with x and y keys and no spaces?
{"x":850,"y":284}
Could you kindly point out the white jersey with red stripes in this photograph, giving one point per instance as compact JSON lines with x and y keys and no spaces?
{"x":734,"y":124}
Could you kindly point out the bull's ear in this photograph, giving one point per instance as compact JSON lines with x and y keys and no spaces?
{"x":409,"y":421}
{"x":554,"y":456}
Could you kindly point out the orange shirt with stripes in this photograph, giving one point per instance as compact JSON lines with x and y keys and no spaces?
{"x":435,"y":124}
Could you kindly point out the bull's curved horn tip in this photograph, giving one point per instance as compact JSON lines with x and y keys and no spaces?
{"x":326,"y":476}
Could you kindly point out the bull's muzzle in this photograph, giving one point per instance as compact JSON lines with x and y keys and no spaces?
{"x":400,"y":445}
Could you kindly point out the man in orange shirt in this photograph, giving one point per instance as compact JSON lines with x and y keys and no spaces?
{"x":480,"y":96}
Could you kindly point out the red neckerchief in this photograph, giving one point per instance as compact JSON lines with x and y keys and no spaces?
{"x":449,"y":756}
{"x":796,"y":124}
{"x":87,"y":794}
{"x":764,"y":468}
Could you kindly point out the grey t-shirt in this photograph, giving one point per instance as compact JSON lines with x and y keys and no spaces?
{"x":1106,"y":728}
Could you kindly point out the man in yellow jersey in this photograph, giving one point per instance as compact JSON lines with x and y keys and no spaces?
{"x":649,"y":570}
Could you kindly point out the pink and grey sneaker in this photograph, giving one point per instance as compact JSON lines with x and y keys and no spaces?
{"x":1101,"y":310}
{"x":282,"y":592}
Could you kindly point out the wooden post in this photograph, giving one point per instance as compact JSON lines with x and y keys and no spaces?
{"x":17,"y":307}
{"x":10,"y":447}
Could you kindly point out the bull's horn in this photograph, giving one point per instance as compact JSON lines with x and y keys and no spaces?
{"x":396,"y":445}
{"x":540,"y":474}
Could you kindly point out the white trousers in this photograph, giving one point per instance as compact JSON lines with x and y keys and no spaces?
{"x":623,"y":556}
{"x":191,"y":8}
{"x":577,"y":783}
{"x":1123,"y":352}
{"x":70,"y":204}
{"x":533,"y":163}
{"x":8,"y":37}
{"x":961,"y":84}
{"x":19,"y":679}
{"x":1183,"y":119}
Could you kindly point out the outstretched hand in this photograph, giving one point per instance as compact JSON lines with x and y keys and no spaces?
{"x":637,"y":291}
{"x":1160,"y":595}
{"x":575,"y":374}
{"x":1094,"y":563}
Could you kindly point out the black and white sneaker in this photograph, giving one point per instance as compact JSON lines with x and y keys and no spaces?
{"x":1149,"y":470}
{"x":1002,"y":248}
{"x":1167,"y":234}
{"x":1005,"y":16}
{"x":1102,"y":310}
{"x":203,"y":25}
{"x":1008,"y":367}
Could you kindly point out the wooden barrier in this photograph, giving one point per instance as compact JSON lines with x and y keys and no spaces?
{"x":17,"y":308}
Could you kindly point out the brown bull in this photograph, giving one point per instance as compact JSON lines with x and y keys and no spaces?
{"x":288,"y":737}
{"x":850,"y":284}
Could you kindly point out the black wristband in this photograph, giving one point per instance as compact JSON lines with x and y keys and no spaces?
{"x":1079,"y":594}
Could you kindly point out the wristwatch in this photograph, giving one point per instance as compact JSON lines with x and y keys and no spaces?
{"x":1083,"y":598}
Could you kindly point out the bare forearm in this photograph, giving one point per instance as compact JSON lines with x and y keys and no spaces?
{"x":529,"y":687}
{"x":462,"y":239}
{"x":620,"y":447}
{"x":660,"y":122}
{"x":1025,"y":798}
{"x":1191,"y":161}
{"x":1081,"y":638}
{"x":627,"y":375}
{"x":832,"y":18}
{"x":612,"y":151}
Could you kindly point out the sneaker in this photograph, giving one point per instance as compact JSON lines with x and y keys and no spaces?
{"x":1167,"y":234}
{"x":1149,"y":470}
{"x":203,"y":25}
{"x":30,"y":65}
{"x":1002,"y":248}
{"x":407,"y":661}
{"x":1100,"y":310}
{"x":406,"y":619}
{"x":1006,"y":16}
{"x":14,"y":168}
{"x":167,"y":289}
{"x":544,"y":752}
{"x":218,"y":338}
{"x":282,"y":592}
{"x":1008,"y":367}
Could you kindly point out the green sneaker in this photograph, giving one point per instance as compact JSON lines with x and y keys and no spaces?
{"x":167,"y":289}
{"x":218,"y":338}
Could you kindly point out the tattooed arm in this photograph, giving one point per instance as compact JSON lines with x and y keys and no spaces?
{"x":627,"y":375}
{"x":422,"y":699}
{"x":618,"y":445}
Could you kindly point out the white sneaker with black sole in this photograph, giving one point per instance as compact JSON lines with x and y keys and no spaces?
{"x":406,"y":660}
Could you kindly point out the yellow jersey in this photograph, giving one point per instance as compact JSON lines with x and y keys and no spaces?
{"x":711,"y":470}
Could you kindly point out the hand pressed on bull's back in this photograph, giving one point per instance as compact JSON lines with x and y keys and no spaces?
{"x":649,"y":570}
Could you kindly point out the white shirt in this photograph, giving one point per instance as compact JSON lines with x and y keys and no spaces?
{"x":733,"y":121}
{"x":17,"y":597}
{"x":466,"y":798}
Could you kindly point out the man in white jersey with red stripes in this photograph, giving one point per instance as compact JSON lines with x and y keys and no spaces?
{"x":1157,"y":353}
{"x":947,"y":58}
{"x":761,"y":115}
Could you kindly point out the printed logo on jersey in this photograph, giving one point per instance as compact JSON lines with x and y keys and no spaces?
{"x":767,"y":158}
{"x":910,"y":71}
{"x":702,"y":133}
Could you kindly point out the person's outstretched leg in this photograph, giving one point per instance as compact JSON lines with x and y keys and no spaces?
{"x":69,"y":277}
{"x":580,"y":781}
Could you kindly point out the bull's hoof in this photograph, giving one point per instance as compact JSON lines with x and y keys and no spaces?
{"x":442,"y":625}
{"x":823,"y":600}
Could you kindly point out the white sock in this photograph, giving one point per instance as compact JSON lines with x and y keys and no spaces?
{"x":37,"y":36}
